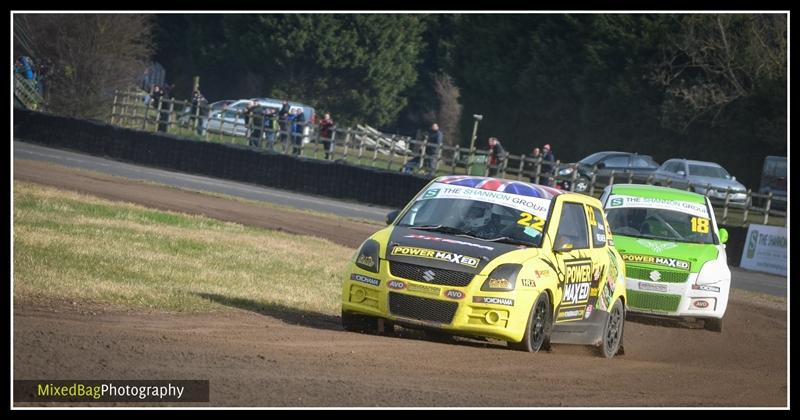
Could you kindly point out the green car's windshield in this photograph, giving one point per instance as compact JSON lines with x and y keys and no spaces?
{"x":477,"y":219}
{"x":652,"y":223}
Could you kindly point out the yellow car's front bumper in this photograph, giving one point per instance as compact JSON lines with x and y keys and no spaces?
{"x":462,"y":310}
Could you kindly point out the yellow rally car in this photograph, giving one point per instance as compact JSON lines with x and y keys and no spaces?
{"x":494,"y":258}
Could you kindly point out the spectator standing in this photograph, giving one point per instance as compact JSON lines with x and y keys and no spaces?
{"x":536,"y":161}
{"x":435,"y":141}
{"x":157,"y":99}
{"x":326,"y":130}
{"x":271,"y":127}
{"x":497,"y":155}
{"x":199,"y":111}
{"x":298,"y":124}
{"x":283,"y":121}
{"x":254,"y":118}
{"x":549,"y":161}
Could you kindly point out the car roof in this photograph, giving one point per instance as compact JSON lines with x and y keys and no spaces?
{"x":502,"y":185}
{"x":696,"y":162}
{"x":652,"y":191}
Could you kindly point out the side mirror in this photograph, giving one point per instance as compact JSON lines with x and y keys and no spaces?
{"x":563,"y":247}
{"x":723,"y":235}
{"x":601,"y":165}
{"x":681,"y":173}
{"x":391,"y":216}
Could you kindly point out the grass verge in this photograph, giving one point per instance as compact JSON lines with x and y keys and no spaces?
{"x":77,"y":247}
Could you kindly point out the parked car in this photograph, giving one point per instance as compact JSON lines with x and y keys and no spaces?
{"x":601,"y":164}
{"x":674,"y":254}
{"x":220,"y":105}
{"x":707,"y":178}
{"x":231,"y":120}
{"x":490,"y":257}
{"x":773,"y":180}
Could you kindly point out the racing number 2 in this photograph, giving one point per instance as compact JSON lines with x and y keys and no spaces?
{"x":699,"y":225}
{"x":527,"y":219}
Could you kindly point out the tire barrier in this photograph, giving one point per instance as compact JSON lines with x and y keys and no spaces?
{"x":236,"y":163}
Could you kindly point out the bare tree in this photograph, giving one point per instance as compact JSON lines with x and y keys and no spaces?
{"x":89,"y":56}
{"x":449,"y":107}
{"x":715,"y":60}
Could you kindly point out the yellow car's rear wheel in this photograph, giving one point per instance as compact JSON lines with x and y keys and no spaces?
{"x":537,"y":332}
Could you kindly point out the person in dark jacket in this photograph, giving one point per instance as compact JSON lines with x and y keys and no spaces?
{"x":548,"y":165}
{"x":326,"y":133}
{"x":283,"y":122}
{"x":435,"y":141}
{"x":254,"y":118}
{"x":497,"y":155}
{"x":298,"y":124}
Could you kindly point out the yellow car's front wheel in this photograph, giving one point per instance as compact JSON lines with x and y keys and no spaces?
{"x":537,"y":332}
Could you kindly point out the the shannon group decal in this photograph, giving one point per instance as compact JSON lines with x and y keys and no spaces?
{"x":433,"y":254}
{"x":650,"y":259}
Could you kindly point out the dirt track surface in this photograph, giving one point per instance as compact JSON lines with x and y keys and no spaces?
{"x":350,"y":234}
{"x":264,"y":358}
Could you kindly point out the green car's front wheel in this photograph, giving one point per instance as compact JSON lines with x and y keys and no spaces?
{"x":537,"y":333}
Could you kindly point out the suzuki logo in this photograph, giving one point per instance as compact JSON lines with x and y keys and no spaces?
{"x":655,"y":275}
{"x":428,"y":275}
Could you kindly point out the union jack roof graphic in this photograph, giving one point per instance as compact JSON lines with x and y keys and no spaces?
{"x":503,"y":185}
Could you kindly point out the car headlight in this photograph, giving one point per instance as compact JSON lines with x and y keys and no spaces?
{"x":367,"y":257}
{"x":502,"y":279}
{"x":713,"y":271}
{"x":566,"y":171}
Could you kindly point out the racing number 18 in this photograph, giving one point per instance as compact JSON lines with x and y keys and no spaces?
{"x":699,"y":225}
{"x":527,"y":219}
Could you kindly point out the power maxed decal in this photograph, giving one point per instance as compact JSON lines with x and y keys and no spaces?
{"x":577,"y":281}
{"x":433,"y":254}
{"x":649,"y":259}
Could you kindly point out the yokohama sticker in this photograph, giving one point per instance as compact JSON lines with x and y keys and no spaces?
{"x":493,"y":300}
{"x":705,"y":288}
{"x":365,"y":279}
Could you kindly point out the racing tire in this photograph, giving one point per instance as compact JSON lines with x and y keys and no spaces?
{"x":537,"y":331}
{"x":611,"y":341}
{"x":359,"y":323}
{"x":713,"y":324}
